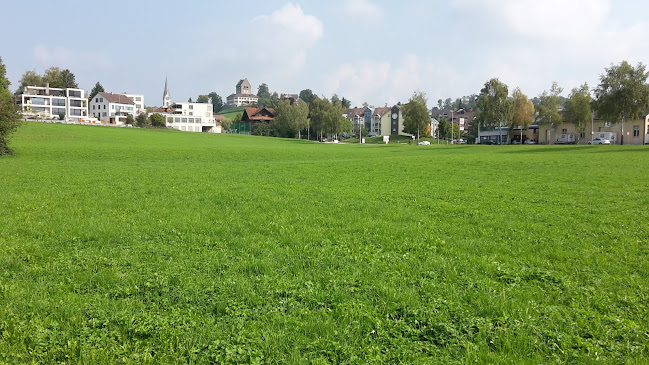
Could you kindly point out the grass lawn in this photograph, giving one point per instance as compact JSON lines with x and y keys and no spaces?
{"x":231,"y":113}
{"x":145,"y":246}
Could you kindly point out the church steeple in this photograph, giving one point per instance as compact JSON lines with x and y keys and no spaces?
{"x":166,"y":97}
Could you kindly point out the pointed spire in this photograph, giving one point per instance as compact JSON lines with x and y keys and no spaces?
{"x":166,"y":97}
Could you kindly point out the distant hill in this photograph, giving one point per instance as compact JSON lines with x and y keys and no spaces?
{"x":231,"y":113}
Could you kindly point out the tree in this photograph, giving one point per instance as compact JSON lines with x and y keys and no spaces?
{"x":578,"y":110}
{"x":263,"y":93}
{"x":548,"y":108}
{"x":217,"y":102}
{"x":346,"y":103}
{"x":416,"y":118}
{"x":290,"y":119}
{"x":203,"y":99}
{"x":306,"y":95}
{"x":622,"y":93}
{"x":327,"y":117}
{"x":494,"y":105}
{"x":129,"y":119}
{"x":142,"y":120}
{"x":96,"y":90}
{"x":157,"y":120}
{"x":68,"y":80}
{"x":523,"y":114}
{"x":225,"y":124}
{"x":274,"y":100}
{"x":30,"y":78}
{"x":9,"y":116}
{"x":190,"y":100}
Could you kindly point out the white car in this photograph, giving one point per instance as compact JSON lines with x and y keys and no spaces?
{"x":599,"y":141}
{"x":424,"y":143}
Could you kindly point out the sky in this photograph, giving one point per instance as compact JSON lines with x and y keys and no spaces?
{"x":374,"y":51}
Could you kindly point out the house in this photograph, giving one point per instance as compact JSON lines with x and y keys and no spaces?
{"x":380,"y":116}
{"x":191,"y":117}
{"x":49,"y":102}
{"x":243,"y":95}
{"x":634,"y":132}
{"x":255,"y":115}
{"x":360,"y":117}
{"x":394,"y":124}
{"x":138,"y":100}
{"x":111,"y":108}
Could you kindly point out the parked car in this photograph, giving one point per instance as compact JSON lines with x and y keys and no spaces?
{"x":599,"y":141}
{"x":530,"y":141}
{"x":487,"y":141}
{"x":424,"y":143}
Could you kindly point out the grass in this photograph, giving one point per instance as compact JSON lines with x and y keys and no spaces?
{"x":143,"y":246}
{"x":231,"y":113}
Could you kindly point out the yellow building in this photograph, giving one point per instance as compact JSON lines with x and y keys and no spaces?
{"x":635,"y":132}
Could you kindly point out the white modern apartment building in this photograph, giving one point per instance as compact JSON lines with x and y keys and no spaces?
{"x":49,"y":102}
{"x":191,"y":117}
{"x":138,"y":99}
{"x":111,"y":108}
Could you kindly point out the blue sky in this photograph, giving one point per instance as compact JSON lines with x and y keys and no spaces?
{"x":371,"y":51}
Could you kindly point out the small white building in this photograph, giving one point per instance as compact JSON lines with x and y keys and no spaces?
{"x":243,"y":95}
{"x":111,"y":108}
{"x":49,"y":102}
{"x":191,"y":117}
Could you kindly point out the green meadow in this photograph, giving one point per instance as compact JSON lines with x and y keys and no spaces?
{"x":148,"y":246}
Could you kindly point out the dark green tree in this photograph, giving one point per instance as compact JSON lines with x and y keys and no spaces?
{"x":263,"y":93}
{"x":157,"y":120}
{"x":9,"y":116}
{"x":346,"y":103}
{"x":622,"y":93}
{"x":68,"y":80}
{"x":217,"y":102}
{"x":416,"y":118}
{"x":96,"y":90}
{"x":142,"y":120}
{"x":203,"y":99}
{"x":129,"y":119}
{"x":306,"y":95}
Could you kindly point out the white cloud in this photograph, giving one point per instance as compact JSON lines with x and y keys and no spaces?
{"x":379,"y":82}
{"x":363,"y":10}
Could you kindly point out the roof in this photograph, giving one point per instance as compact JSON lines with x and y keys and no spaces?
{"x":116,"y":98}
{"x":241,"y":82}
{"x":381,"y":111}
{"x":355,"y":112}
{"x":243,"y":96}
{"x":258,"y":114}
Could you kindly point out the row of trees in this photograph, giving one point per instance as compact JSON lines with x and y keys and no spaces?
{"x":622,"y":94}
{"x":53,"y":76}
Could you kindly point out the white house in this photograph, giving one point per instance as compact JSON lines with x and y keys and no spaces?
{"x":50,"y":102}
{"x":191,"y":117}
{"x":111,"y":108}
{"x":243,"y":95}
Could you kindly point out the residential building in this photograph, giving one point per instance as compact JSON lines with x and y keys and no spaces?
{"x":243,"y":95}
{"x":111,"y":108}
{"x":360,"y":117}
{"x":49,"y":102}
{"x":191,"y":117}
{"x":394,"y":124}
{"x":138,"y":100}
{"x":633,"y":132}
{"x":380,"y":116}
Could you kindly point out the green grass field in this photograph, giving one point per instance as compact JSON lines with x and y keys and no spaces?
{"x":231,"y":113}
{"x":145,"y":246}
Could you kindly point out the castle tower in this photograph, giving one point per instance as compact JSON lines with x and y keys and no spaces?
{"x":166,"y":97}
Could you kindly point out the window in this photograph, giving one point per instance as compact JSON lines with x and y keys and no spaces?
{"x":57,"y":111}
{"x":93,"y":107}
{"x":191,"y":107}
{"x":75,"y":112}
{"x":184,"y":120}
{"x":564,"y":131}
{"x":75,"y":103}
{"x":191,"y":113}
{"x":636,"y":131}
{"x":113,"y":107}
{"x":58,"y":102}
{"x":582,"y":134}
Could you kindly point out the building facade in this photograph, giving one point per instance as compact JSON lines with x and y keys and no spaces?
{"x":48,"y":102}
{"x":191,"y":117}
{"x":633,"y":132}
{"x":112,"y":108}
{"x":243,"y":95}
{"x":138,"y":100}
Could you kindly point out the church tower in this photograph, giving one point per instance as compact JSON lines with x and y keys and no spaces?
{"x":166,"y":97}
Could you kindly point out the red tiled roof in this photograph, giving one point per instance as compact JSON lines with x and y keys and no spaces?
{"x":380,"y":111}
